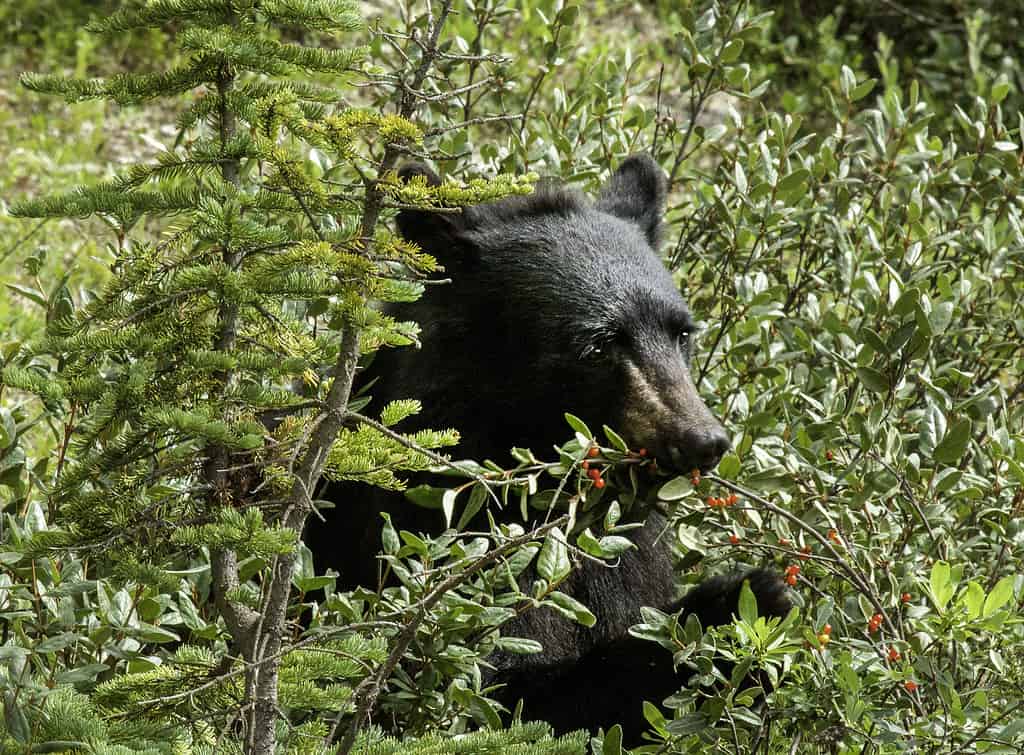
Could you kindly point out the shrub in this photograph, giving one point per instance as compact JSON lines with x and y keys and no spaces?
{"x":851,"y":237}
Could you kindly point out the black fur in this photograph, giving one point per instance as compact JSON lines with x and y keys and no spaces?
{"x":556,"y":305}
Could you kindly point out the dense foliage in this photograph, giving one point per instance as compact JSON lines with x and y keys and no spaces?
{"x":844,"y":219}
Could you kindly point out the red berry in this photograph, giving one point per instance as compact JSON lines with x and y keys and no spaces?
{"x":827,"y":629}
{"x":731,"y":500}
{"x":734,"y":539}
{"x":791,"y":580}
{"x":593,"y":451}
{"x":594,"y":474}
{"x":598,"y":483}
{"x":910,"y":685}
{"x":585,"y":465}
{"x":833,"y":536}
{"x":906,"y":597}
{"x":643,"y":452}
{"x":828,"y":455}
{"x":894,"y":654}
{"x":792,"y":569}
{"x":805,"y":553}
{"x":783,"y":542}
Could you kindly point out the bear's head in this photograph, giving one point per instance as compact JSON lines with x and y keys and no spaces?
{"x":557,"y":304}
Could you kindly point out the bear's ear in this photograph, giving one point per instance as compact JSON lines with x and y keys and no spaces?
{"x":435,"y":232}
{"x":636,"y":192}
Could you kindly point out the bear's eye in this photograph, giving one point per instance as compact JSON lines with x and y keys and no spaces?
{"x":598,"y":344}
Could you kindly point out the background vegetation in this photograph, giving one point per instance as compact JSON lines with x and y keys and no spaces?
{"x":845,"y":221}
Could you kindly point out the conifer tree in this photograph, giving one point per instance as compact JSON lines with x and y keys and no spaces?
{"x":251,"y":300}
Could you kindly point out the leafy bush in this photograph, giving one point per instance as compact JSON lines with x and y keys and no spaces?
{"x":850,"y":234}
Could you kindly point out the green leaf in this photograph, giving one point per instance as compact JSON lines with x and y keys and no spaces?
{"x":873,"y":380}
{"x":553,"y":562}
{"x":388,"y":536}
{"x":953,"y":446}
{"x":448,"y":505}
{"x":17,"y":723}
{"x":8,"y":429}
{"x":729,"y":466}
{"x":999,"y":597}
{"x":615,"y":439}
{"x":519,"y":645}
{"x":748,"y":604}
{"x":613,"y":515}
{"x":973,"y":599}
{"x":932,"y":429}
{"x":572,"y":608}
{"x":29,"y":293}
{"x":847,"y":81}
{"x":939,"y":584}
{"x":794,"y":182}
{"x":578,"y":425}
{"x":863,"y":89}
{"x":674,"y":489}
{"x":655,"y":718}
{"x":999,"y":90}
{"x":731,"y":52}
{"x":612,"y":744}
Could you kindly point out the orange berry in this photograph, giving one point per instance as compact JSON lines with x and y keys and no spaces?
{"x":910,"y":685}
{"x":792,"y":569}
{"x":894,"y":654}
{"x":731,"y":500}
{"x":791,"y":580}
{"x":906,"y":597}
{"x":734,"y":539}
{"x":833,"y":536}
{"x":827,"y":629}
{"x":805,"y":553}
{"x":828,"y":455}
{"x":783,"y":542}
{"x":874,"y":623}
{"x":593,"y":451}
{"x":598,"y":483}
{"x":824,"y":639}
{"x":643,"y":452}
{"x":711,"y":501}
{"x":585,"y":465}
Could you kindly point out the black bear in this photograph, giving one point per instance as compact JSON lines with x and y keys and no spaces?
{"x":558,"y":304}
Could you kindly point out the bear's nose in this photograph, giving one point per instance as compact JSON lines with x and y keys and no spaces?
{"x":699,"y":449}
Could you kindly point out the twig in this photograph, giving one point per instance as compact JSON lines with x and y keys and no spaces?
{"x":368,"y":690}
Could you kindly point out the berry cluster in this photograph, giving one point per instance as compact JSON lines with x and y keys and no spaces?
{"x":874,"y":623}
{"x":593,"y":472}
{"x":717,"y":503}
{"x":791,"y":573}
{"x":825,"y":636}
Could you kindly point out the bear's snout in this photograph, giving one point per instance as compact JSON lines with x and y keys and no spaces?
{"x":698,"y":448}
{"x":664,"y":414}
